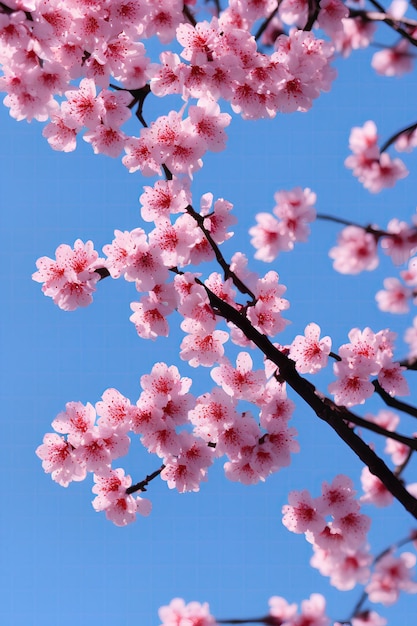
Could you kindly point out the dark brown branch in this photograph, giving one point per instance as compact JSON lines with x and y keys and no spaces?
{"x":408,"y":130}
{"x":219,"y":257}
{"x":400,"y":468}
{"x":266,"y":22}
{"x":393,"y":402}
{"x":142,"y":485}
{"x":313,"y":13}
{"x":103,"y":271}
{"x":393,"y":23}
{"x":390,"y":434}
{"x":374,"y":16}
{"x":376,"y":232}
{"x":324,"y":408}
{"x":190,"y":17}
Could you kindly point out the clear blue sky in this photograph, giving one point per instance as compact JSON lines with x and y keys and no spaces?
{"x":62,"y":563}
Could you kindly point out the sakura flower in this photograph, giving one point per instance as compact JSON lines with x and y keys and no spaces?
{"x":345,"y":569}
{"x":149,"y":317}
{"x":394,"y":61}
{"x":120,"y":508}
{"x":76,"y":422}
{"x":206,"y":121}
{"x":410,"y":337}
{"x":185,"y":470}
{"x":391,"y":379}
{"x":375,"y":491}
{"x":338,"y":497}
{"x":394,"y":298}
{"x":242,"y":381}
{"x":391,"y":575}
{"x":61,"y":133}
{"x":309,"y":353}
{"x":302,"y":513}
{"x":192,"y":614}
{"x":164,"y":198}
{"x":280,"y":609}
{"x":82,"y":107}
{"x":313,"y":612}
{"x":401,"y":242}
{"x":368,"y":618}
{"x":351,"y":387}
{"x":356,"y":251}
{"x":199,"y":349}
{"x":374,"y":169}
{"x":106,"y":140}
{"x":115,"y":411}
{"x":59,"y":460}
{"x":71,"y":278}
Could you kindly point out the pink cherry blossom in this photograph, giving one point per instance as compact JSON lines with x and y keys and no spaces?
{"x":82,"y":106}
{"x":280,"y":609}
{"x":357,"y":33}
{"x":313,"y":612}
{"x":393,"y":61}
{"x":391,"y":379}
{"x":71,"y":278}
{"x":309,"y":353}
{"x":410,"y":337}
{"x":120,"y":508}
{"x":375,"y":491}
{"x":59,"y":460}
{"x":394,"y":298}
{"x":192,"y":614}
{"x":330,"y":17}
{"x":368,"y":618}
{"x":164,"y":198}
{"x":203,"y":349}
{"x":185,"y":470}
{"x":356,"y":251}
{"x":352,"y":386}
{"x":338,"y":497}
{"x":401,"y":244}
{"x":76,"y":421}
{"x":302,"y":513}
{"x":149,"y":317}
{"x":345,"y":569}
{"x":374,"y":169}
{"x":242,"y":381}
{"x":212,"y":413}
{"x":391,"y":575}
{"x":115,"y":411}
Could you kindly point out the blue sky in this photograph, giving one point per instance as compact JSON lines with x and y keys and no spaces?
{"x":62,"y":562}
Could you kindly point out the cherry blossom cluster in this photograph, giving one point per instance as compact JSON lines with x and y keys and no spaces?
{"x":368,"y":354}
{"x":357,"y":246}
{"x":145,"y":259}
{"x":88,"y":439}
{"x":396,"y":296}
{"x":178,"y":613}
{"x":54,"y":58}
{"x":223,"y":62}
{"x":71,"y":277}
{"x":85,"y":445}
{"x":390,"y":574}
{"x":308,"y":351}
{"x":294,"y":210}
{"x":375,"y":492}
{"x":339,"y":545}
{"x":373,"y":168}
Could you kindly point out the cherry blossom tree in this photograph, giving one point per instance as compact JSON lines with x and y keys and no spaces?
{"x":86,"y":69}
